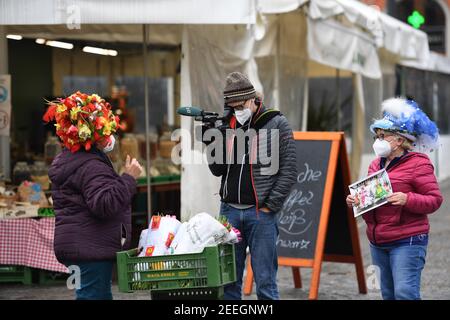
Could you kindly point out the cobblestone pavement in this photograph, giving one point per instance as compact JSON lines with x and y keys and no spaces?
{"x":338,"y":281}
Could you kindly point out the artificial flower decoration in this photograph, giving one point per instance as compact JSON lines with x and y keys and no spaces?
{"x":82,"y":120}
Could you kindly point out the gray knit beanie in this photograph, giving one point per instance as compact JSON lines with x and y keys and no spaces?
{"x":238,"y":88}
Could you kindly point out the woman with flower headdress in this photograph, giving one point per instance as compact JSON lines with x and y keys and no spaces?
{"x":91,"y":201}
{"x":398,"y":231}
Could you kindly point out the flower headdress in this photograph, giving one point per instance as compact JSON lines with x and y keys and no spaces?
{"x":404,"y":117}
{"x":82,"y":120}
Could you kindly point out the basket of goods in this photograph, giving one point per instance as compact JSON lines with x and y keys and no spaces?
{"x":174,"y":260}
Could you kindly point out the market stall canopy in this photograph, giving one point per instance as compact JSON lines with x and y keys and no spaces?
{"x":53,"y":12}
{"x":342,"y":47}
{"x":363,"y":30}
{"x":127,"y":33}
{"x":436,"y":63}
{"x":278,"y":6}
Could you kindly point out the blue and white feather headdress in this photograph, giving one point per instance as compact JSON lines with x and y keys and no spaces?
{"x":405,"y":118}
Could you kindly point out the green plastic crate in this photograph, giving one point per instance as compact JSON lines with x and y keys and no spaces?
{"x":11,"y":273}
{"x":188,"y":294}
{"x":46,"y":212}
{"x":211,"y":269}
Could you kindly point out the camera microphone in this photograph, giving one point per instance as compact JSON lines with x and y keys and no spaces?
{"x":210,"y":119}
{"x":190,"y":111}
{"x":195,"y":112}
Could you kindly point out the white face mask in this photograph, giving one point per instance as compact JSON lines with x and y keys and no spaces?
{"x":382,"y":148}
{"x":110,"y":145}
{"x":243,"y":115}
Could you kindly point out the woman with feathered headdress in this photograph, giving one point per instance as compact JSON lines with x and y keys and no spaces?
{"x":398,"y":231}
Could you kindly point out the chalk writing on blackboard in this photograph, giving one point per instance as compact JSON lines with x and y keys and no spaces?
{"x":308,"y":175}
{"x":293,"y":218}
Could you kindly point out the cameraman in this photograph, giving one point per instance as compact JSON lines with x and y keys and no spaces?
{"x":251,"y":195}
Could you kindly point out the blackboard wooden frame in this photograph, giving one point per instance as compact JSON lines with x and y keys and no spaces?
{"x":338,"y":156}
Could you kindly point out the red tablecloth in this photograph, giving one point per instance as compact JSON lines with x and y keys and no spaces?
{"x":29,"y":242}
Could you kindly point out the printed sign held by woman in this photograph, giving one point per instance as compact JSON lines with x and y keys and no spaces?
{"x":370,"y":192}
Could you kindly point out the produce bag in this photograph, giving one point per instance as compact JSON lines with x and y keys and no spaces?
{"x":202,"y":230}
{"x":234,"y":236}
{"x":142,"y":239}
{"x":160,"y":234}
{"x":181,"y":233}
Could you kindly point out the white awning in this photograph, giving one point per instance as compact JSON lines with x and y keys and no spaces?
{"x":435,"y":63}
{"x":331,"y":43}
{"x":131,"y":33}
{"x":127,"y":12}
{"x":278,"y":6}
{"x":363,"y":29}
{"x":397,"y":38}
{"x":404,"y":41}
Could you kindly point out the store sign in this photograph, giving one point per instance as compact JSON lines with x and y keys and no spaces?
{"x":5,"y":104}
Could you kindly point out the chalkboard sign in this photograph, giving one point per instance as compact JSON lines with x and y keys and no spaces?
{"x":339,"y":233}
{"x":315,"y":223}
{"x":298,"y":220}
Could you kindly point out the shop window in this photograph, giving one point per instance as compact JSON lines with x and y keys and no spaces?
{"x":325,"y":103}
{"x":432,"y":91}
{"x":160,"y":93}
{"x":87,"y":84}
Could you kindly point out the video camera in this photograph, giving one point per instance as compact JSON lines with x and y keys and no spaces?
{"x":209,"y":119}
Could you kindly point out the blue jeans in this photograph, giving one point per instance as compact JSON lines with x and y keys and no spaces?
{"x":259,"y":233}
{"x":401,"y":266}
{"x":95,"y":280}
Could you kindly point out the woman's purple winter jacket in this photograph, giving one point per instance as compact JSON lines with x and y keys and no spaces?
{"x":92,"y":205}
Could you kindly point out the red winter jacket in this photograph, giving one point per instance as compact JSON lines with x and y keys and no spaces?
{"x":414,"y":175}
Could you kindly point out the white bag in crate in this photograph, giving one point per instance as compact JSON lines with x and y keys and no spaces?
{"x":142,"y":238}
{"x":232,"y":237}
{"x":160,"y":234}
{"x":201,"y":231}
{"x":179,"y":236}
{"x":152,"y":250}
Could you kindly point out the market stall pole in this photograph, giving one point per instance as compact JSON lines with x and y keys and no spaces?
{"x":4,"y":140}
{"x":147,"y":129}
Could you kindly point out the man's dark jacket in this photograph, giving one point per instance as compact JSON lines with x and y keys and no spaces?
{"x":270,"y":187}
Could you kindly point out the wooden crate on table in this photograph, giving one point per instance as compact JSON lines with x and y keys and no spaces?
{"x":19,"y":210}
